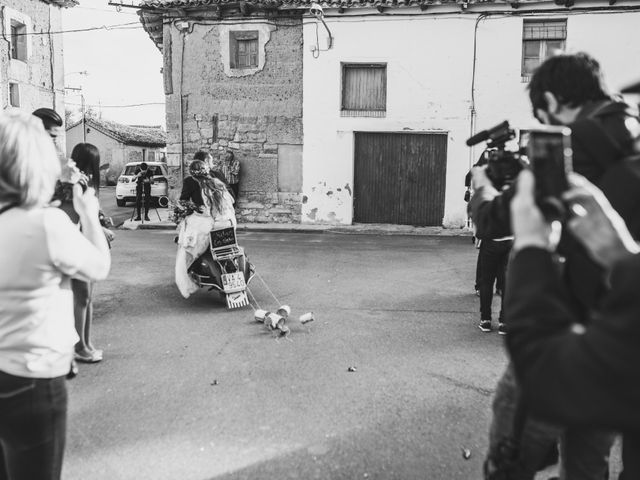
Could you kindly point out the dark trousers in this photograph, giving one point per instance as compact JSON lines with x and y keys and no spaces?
{"x":145,"y":189}
{"x":235,"y":188}
{"x":499,"y":280}
{"x":493,"y":259}
{"x":33,"y":427}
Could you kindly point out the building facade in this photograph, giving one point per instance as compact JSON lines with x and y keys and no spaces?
{"x":31,"y":57}
{"x":348,"y":112}
{"x":118,"y":144}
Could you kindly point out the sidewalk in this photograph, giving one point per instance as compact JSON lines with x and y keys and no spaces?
{"x":163,"y":223}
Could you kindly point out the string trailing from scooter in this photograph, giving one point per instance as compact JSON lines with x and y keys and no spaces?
{"x":268,"y":289}
{"x":253,"y":300}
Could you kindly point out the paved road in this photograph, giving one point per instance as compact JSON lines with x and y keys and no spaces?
{"x":190,"y":390}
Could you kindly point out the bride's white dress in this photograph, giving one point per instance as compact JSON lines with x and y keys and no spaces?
{"x":193,"y":240}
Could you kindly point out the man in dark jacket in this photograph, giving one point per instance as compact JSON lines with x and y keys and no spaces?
{"x":576,"y":375}
{"x":569,"y":90}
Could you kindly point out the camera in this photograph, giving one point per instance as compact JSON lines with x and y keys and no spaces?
{"x":503,"y":165}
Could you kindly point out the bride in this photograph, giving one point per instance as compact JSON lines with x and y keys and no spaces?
{"x":216,"y":209}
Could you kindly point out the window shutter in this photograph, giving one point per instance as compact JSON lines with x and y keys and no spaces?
{"x":364,"y":87}
{"x":233,"y":50}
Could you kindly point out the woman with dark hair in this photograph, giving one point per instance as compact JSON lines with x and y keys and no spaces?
{"x":87,"y":161}
{"x":216,"y":208}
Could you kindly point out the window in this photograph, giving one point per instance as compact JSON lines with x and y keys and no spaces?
{"x":364,"y":90}
{"x":18,"y":40}
{"x":14,"y":95}
{"x":243,"y":49}
{"x":539,"y":40}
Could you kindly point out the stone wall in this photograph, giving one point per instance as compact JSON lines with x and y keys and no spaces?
{"x":41,"y":77}
{"x":257,"y":114}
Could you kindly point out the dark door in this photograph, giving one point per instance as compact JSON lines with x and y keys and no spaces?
{"x":399,"y":178}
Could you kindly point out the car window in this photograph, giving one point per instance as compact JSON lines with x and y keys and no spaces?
{"x":155,"y":170}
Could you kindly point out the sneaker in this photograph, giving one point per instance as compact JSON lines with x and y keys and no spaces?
{"x":502,"y":329}
{"x":485,"y":325}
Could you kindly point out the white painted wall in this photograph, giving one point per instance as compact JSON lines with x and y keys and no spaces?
{"x":429,"y":76}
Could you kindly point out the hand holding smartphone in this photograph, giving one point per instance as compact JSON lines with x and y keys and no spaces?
{"x":550,"y":160}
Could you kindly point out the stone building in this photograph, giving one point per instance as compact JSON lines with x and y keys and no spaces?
{"x":234,"y":82}
{"x":118,"y":144}
{"x":381,"y":93}
{"x":31,"y":61}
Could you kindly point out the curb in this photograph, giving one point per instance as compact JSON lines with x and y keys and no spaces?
{"x":330,"y":229}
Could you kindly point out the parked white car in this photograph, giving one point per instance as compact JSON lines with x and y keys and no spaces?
{"x":126,"y":187}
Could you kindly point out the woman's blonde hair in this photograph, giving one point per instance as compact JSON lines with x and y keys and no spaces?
{"x":29,"y":165}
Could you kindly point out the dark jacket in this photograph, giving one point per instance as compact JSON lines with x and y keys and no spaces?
{"x":191,"y":190}
{"x":600,"y":141}
{"x":589,"y":379}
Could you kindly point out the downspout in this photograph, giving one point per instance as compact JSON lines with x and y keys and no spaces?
{"x":184,"y":35}
{"x":52,"y":60}
{"x":472,"y":123}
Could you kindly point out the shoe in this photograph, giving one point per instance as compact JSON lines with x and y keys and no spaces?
{"x":94,"y":356}
{"x":485,"y":325}
{"x":146,"y":218}
{"x":137,"y":219}
{"x":502,"y":329}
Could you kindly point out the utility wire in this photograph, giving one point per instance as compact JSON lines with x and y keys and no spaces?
{"x":115,"y":106}
{"x":120,"y":26}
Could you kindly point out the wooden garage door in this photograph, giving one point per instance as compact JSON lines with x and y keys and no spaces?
{"x":399,"y":178}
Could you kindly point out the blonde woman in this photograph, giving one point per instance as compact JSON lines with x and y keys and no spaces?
{"x":40,"y":250}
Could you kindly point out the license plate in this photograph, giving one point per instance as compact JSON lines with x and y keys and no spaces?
{"x":233,"y":282}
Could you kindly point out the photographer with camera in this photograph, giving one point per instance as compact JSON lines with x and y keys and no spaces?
{"x":143,"y":178}
{"x":576,"y":375}
{"x":565,"y":90}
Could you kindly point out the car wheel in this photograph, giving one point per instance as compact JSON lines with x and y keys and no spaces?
{"x":121,"y":202}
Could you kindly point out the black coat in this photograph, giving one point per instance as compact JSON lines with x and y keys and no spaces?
{"x":600,"y":141}
{"x":589,"y":379}
{"x":191,"y":190}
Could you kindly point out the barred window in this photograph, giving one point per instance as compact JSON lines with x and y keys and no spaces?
{"x":14,"y":94}
{"x":18,"y":41}
{"x":540,"y":39}
{"x":364,"y":90}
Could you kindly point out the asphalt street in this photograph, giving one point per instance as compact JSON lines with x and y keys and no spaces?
{"x":191,"y":390}
{"x":110,"y":209}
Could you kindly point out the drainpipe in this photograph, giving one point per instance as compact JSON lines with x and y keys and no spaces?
{"x":184,"y":35}
{"x":472,"y":123}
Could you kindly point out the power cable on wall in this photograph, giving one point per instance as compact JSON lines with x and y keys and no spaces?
{"x":117,"y":106}
{"x":119,"y":26}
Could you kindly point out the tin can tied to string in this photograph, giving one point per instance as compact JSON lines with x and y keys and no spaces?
{"x":307,"y":318}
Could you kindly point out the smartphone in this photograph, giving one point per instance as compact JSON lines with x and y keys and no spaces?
{"x":550,"y":159}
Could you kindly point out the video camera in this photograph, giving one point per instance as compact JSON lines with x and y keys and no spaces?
{"x":503,"y":165}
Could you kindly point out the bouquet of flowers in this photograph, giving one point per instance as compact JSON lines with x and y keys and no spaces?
{"x":182,"y":209}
